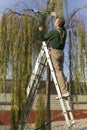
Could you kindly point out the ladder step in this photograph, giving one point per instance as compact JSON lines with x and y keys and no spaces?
{"x":73,"y":124}
{"x":69,"y":110}
{"x":37,"y":75}
{"x":43,"y":64}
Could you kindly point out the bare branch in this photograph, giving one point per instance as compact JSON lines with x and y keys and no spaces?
{"x":69,"y":20}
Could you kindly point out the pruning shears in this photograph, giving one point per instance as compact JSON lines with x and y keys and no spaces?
{"x":37,"y":14}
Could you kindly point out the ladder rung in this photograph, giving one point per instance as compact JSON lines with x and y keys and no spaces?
{"x":66,"y":98}
{"x":65,"y":112}
{"x":43,"y":64}
{"x":73,"y":124}
{"x":69,"y":110}
{"x":37,"y":75}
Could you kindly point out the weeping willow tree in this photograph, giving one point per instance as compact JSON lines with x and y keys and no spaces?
{"x":79,"y":59}
{"x":77,"y":53}
{"x":18,"y":40}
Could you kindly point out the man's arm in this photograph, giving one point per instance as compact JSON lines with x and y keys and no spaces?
{"x":53,"y":14}
{"x":43,"y":35}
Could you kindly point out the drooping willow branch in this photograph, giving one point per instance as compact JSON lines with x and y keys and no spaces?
{"x":18,"y":43}
{"x":72,"y":15}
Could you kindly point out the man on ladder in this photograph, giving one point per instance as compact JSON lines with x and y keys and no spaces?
{"x":57,"y":38}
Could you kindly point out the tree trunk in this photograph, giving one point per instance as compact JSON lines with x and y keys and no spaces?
{"x":48,"y":114}
{"x":70,"y":68}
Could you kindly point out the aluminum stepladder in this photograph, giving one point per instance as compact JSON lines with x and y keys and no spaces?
{"x":34,"y":85}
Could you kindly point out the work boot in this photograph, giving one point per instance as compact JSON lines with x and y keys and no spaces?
{"x":64,"y":95}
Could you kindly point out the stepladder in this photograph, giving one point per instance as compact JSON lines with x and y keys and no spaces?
{"x":34,"y":84}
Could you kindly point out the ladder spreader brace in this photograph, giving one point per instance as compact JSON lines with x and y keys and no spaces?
{"x":35,"y":83}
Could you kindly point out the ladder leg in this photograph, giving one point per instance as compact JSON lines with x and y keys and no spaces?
{"x":57,"y":87}
{"x":65,"y":114}
{"x":35,"y":70}
{"x":70,"y":113}
{"x":34,"y":85}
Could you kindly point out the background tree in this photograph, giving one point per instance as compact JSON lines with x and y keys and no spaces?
{"x":19,"y":44}
{"x":17,"y":36}
{"x":40,"y":113}
{"x":77,"y":55}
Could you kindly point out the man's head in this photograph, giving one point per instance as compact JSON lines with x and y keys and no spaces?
{"x":59,"y":23}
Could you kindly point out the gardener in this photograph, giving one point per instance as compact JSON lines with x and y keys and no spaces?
{"x":57,"y":38}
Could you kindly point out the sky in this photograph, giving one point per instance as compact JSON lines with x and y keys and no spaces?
{"x":75,"y":4}
{"x":31,"y":3}
{"x":23,"y":4}
{"x":13,"y":4}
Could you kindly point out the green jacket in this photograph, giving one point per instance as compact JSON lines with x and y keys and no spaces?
{"x":55,"y":37}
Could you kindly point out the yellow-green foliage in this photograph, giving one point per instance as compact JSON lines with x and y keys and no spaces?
{"x":4,"y":52}
{"x":79,"y":62}
{"x":40,"y":113}
{"x":57,"y":5}
{"x":60,"y":7}
{"x":82,"y":61}
{"x":18,"y":37}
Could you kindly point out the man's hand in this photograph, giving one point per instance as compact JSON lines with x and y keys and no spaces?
{"x":40,"y":28}
{"x":53,"y":14}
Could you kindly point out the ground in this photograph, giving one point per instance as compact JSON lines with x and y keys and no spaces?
{"x":57,"y":125}
{"x":80,"y":117}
